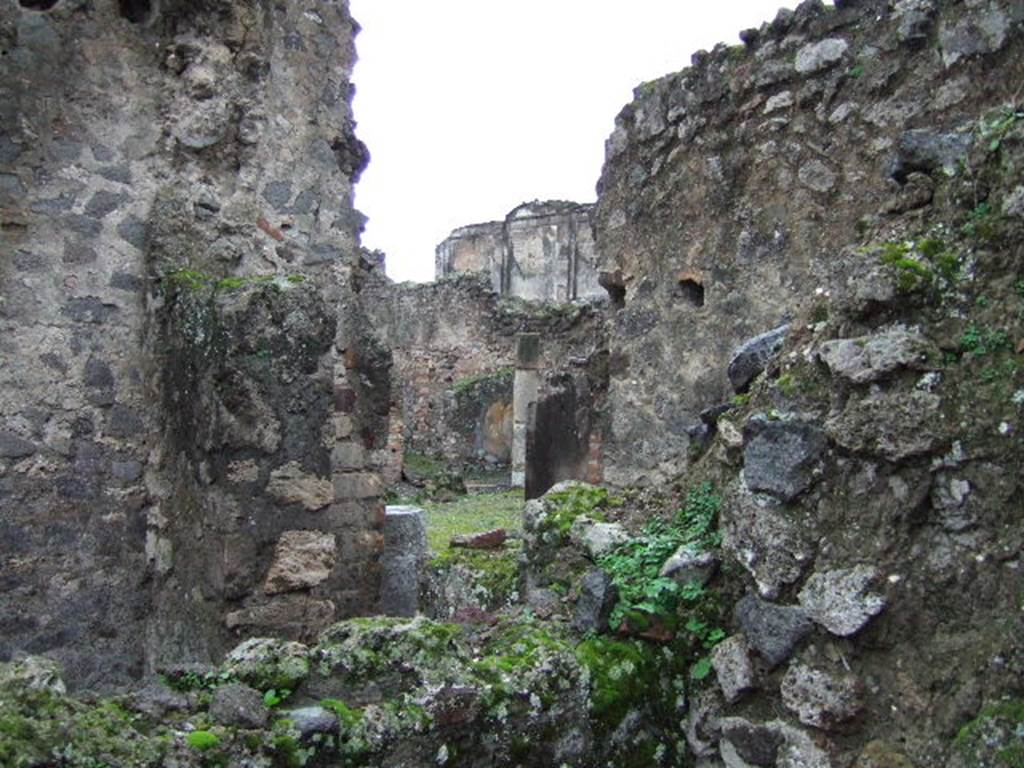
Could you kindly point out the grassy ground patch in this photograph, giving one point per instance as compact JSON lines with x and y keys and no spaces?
{"x":472,"y":514}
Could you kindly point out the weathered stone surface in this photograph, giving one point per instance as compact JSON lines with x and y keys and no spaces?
{"x":893,"y":425}
{"x":751,"y":357}
{"x":266,"y":663}
{"x":819,"y":698}
{"x":310,"y":721}
{"x":815,"y":57}
{"x":839,"y":600}
{"x":982,"y":29}
{"x":702,"y":727}
{"x":765,"y":539}
{"x":596,"y":538}
{"x":121,"y":172}
{"x":817,"y":175}
{"x":494,"y":539}
{"x":238,"y":705}
{"x":780,"y":456}
{"x":772,"y":630}
{"x":14,"y":447}
{"x":401,"y":563}
{"x":36,"y":673}
{"x":598,"y":596}
{"x":289,"y":484}
{"x":869,"y":358}
{"x":302,"y":559}
{"x":689,"y":567}
{"x":291,"y":614}
{"x":733,"y":668}
{"x":776,"y":743}
{"x":745,"y":743}
{"x":157,"y":700}
{"x":915,"y":20}
{"x":405,"y":530}
{"x":926,"y":151}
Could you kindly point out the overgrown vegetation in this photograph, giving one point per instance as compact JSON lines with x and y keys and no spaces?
{"x":578,"y":500}
{"x":997,"y":733}
{"x":995,"y":127}
{"x":920,"y":264}
{"x":194,"y":280}
{"x":646,"y":597}
{"x":502,"y":377}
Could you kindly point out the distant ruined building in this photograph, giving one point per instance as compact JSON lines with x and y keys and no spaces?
{"x":541,"y":250}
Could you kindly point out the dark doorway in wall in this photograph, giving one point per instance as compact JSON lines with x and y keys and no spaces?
{"x":612,"y":282}
{"x":38,"y":5}
{"x":692,"y":292}
{"x":136,"y":11}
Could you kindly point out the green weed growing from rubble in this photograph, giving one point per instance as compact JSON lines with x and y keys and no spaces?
{"x":576,"y":501}
{"x":921,"y":263}
{"x":995,"y":128}
{"x":644,"y":595}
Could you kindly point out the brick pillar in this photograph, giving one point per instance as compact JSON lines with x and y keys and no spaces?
{"x":524,"y":399}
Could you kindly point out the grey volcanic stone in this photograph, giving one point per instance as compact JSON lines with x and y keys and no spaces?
{"x":310,"y":721}
{"x":981,"y":29}
{"x":779,"y":456}
{"x":752,"y":743}
{"x":753,"y":355}
{"x":269,"y":663}
{"x":925,"y":150}
{"x":104,"y":203}
{"x":156,"y":700}
{"x":731,"y":660}
{"x":239,"y":705}
{"x":868,"y":358}
{"x":596,"y":538}
{"x":765,"y":539}
{"x":839,"y":600}
{"x":772,"y":630}
{"x":817,"y":176}
{"x":401,"y":563}
{"x":278,"y":193}
{"x":14,"y":447}
{"x":893,"y":425}
{"x":594,"y":606}
{"x":821,"y":55}
{"x":915,"y":19}
{"x":687,"y":566}
{"x":819,"y":698}
{"x":774,"y":743}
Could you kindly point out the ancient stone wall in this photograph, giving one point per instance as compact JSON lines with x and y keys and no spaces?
{"x":148,"y":152}
{"x":541,"y":250}
{"x":727,"y":186}
{"x":853,"y":172}
{"x":453,"y":344}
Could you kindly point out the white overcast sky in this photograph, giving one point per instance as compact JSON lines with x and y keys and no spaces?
{"x":470,"y":107}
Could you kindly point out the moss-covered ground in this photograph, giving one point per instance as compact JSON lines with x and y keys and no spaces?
{"x":474,"y":513}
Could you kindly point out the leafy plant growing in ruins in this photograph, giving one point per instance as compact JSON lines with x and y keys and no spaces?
{"x":995,"y":129}
{"x":635,"y":566}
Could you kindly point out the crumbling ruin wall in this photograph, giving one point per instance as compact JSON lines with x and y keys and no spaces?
{"x":453,"y":343}
{"x":542,"y":251}
{"x":149,"y":151}
{"x":728,"y":185}
{"x":856,"y":172}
